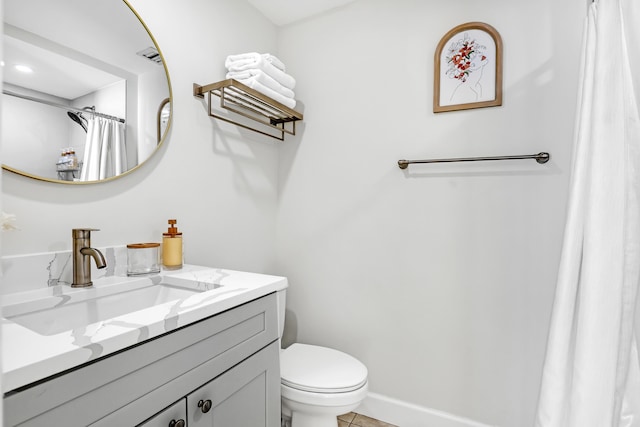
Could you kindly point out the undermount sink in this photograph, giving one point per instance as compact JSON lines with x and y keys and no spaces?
{"x":77,"y":308}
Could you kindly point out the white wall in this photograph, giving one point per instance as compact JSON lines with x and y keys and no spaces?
{"x":439,"y":278}
{"x":219,"y":182}
{"x":34,"y":134}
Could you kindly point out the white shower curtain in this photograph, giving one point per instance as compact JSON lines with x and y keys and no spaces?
{"x":591,"y":374}
{"x":105,"y":153}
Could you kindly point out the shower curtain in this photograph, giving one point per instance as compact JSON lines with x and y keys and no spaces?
{"x":104,"y":152}
{"x":591,"y":375}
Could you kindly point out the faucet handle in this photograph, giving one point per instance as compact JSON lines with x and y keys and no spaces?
{"x":82,"y":233}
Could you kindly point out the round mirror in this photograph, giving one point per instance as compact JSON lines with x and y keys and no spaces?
{"x":86,"y":95}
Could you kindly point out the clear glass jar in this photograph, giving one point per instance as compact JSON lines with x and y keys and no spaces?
{"x":143,"y":258}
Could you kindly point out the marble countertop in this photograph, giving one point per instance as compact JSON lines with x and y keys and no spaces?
{"x":29,"y":356}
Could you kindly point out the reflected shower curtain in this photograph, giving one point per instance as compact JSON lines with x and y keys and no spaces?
{"x":591,"y":373}
{"x":104,"y":152}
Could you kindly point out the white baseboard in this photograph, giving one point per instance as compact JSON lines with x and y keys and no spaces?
{"x":404,"y":414}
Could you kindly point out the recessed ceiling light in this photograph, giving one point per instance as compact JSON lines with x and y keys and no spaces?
{"x":2,"y":63}
{"x":24,"y":69}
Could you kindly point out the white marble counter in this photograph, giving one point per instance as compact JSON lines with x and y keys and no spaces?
{"x":29,"y":356}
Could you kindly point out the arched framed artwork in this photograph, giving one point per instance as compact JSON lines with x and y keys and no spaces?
{"x":468,"y":68}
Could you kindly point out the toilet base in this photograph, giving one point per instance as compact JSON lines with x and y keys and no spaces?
{"x":286,"y":421}
{"x":295,"y":414}
{"x":298,"y":419}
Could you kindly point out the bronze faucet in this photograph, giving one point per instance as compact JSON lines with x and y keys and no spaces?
{"x":82,"y":250}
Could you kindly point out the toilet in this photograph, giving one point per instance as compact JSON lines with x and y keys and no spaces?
{"x":317,"y":383}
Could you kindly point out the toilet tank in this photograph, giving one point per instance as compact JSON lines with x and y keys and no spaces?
{"x":281,"y":300}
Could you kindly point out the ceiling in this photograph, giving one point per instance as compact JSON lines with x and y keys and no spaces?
{"x":283,"y":12}
{"x":71,"y":47}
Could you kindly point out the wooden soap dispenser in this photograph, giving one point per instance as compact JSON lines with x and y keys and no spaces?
{"x":172,"y":247}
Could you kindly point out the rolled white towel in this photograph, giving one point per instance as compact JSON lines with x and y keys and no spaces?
{"x":262,"y":64}
{"x":253,"y":57}
{"x":284,"y":100}
{"x":263,"y":78}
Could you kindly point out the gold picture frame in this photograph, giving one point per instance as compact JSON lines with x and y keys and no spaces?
{"x":468,"y":68}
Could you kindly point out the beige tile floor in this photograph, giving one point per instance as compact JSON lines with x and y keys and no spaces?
{"x":356,"y":420}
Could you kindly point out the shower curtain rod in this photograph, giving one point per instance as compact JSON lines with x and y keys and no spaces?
{"x":541,"y":158}
{"x":66,"y":107}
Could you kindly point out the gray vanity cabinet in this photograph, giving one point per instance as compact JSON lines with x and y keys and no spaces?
{"x":222,"y":371}
{"x":243,"y":396}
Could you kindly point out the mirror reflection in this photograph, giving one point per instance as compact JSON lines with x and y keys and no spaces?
{"x":85,"y":91}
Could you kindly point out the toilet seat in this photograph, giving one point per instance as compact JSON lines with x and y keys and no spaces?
{"x":320,"y":370}
{"x":294,"y":397}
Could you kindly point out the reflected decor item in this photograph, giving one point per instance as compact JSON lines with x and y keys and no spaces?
{"x":95,"y":82}
{"x":164,"y":115}
{"x":468,"y":68}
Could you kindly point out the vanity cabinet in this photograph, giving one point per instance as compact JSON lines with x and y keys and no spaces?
{"x":222,"y":371}
{"x":239,"y":397}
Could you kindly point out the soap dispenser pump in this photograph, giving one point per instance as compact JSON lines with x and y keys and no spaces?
{"x":172,"y":247}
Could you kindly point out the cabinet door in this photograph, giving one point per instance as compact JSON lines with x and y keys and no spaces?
{"x":246,"y":395}
{"x":173,"y":416}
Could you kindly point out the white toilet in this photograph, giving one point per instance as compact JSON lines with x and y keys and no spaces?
{"x":317,"y":383}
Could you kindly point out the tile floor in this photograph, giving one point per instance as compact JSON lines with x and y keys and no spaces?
{"x":356,"y":420}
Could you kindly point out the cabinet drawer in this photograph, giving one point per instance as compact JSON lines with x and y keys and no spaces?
{"x":169,"y":417}
{"x":90,"y":392}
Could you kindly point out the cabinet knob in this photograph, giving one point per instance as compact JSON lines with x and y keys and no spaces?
{"x":204,"y":405}
{"x":179,"y":423}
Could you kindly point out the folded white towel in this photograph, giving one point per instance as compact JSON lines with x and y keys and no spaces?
{"x":274,"y":61}
{"x":252,"y":57}
{"x":262,"y":64}
{"x":284,"y":100}
{"x":263,"y":78}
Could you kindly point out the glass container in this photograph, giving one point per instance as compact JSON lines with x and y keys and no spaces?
{"x":143,"y":258}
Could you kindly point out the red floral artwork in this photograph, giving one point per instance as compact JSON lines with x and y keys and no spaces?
{"x":464,"y":56}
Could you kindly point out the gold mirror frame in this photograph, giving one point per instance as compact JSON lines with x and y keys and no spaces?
{"x":161,"y":138}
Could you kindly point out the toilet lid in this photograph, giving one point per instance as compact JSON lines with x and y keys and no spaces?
{"x":320,"y":369}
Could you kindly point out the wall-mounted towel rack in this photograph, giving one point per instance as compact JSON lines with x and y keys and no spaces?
{"x":247,"y":102}
{"x":542,"y":157}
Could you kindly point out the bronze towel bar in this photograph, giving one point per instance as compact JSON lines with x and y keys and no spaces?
{"x":541,"y":158}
